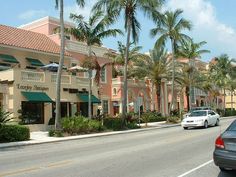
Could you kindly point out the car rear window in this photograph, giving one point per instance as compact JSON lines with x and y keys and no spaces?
{"x":232,"y":127}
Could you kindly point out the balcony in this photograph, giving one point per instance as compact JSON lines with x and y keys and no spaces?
{"x":65,"y":79}
{"x":81,"y":47}
{"x":31,"y":76}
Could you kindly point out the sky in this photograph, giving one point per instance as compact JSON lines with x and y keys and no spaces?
{"x":214,"y":21}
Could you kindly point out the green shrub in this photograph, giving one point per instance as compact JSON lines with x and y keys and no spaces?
{"x":55,"y":133}
{"x":152,"y":117}
{"x":11,"y":133}
{"x":173,"y":119}
{"x":80,"y":125}
{"x":132,"y":125}
{"x":113,"y":123}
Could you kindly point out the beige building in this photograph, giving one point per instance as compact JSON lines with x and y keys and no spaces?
{"x":29,"y":90}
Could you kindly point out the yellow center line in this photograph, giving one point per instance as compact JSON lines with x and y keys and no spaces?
{"x":59,"y":164}
{"x":19,"y":171}
{"x":27,"y":170}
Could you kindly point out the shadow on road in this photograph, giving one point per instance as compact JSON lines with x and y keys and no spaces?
{"x":227,"y":174}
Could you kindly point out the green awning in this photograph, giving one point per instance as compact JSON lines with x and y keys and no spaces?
{"x":84,"y":97}
{"x":37,"y":96}
{"x":35,"y":62}
{"x":8,"y":58}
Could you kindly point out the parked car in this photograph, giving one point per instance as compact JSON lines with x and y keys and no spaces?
{"x":225,"y":149}
{"x":201,"y":118}
{"x":196,"y":109}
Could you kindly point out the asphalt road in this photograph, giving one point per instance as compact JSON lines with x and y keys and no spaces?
{"x":168,"y":152}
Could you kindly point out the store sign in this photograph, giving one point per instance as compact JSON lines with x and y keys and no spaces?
{"x":32,"y":87}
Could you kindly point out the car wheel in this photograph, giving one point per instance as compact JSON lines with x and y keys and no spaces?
{"x":205,"y":124}
{"x":217,"y":122}
{"x":185,"y":128}
{"x":222,"y":169}
{"x":225,"y":169}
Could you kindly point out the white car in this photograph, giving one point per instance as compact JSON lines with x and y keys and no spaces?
{"x":201,"y":118}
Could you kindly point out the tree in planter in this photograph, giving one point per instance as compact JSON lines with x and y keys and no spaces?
{"x":61,"y":62}
{"x":92,"y":33}
{"x":171,"y":27}
{"x":129,"y":10}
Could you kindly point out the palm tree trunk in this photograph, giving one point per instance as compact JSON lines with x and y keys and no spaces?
{"x":231,"y":101}
{"x":173,"y":77}
{"x":124,"y":108}
{"x":153,"y":103}
{"x":224,"y":102}
{"x":90,"y":85}
{"x":59,"y":71}
{"x":188,"y":97}
{"x":158,"y":97}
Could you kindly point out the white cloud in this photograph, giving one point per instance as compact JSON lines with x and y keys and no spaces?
{"x":206,"y":26}
{"x":32,"y":14}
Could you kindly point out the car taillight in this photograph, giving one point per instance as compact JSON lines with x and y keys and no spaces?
{"x":220,"y":143}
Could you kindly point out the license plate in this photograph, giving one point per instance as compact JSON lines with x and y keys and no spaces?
{"x":230,"y":146}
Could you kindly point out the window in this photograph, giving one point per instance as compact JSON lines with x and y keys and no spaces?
{"x":103,"y":74}
{"x":232,"y":127}
{"x":105,"y":106}
{"x":114,"y":91}
{"x":32,"y":113}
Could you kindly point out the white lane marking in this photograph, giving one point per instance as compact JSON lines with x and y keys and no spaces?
{"x":194,"y":169}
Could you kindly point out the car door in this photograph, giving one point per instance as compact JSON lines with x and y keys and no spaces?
{"x":210,"y":117}
{"x":213,"y":117}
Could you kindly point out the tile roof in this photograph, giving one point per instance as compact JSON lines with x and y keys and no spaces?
{"x":27,"y":39}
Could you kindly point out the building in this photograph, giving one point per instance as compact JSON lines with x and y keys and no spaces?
{"x":79,"y":51}
{"x":29,"y":91}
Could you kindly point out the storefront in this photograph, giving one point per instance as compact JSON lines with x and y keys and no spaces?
{"x":32,"y":110}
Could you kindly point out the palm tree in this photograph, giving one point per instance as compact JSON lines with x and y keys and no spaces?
{"x":221,"y":72}
{"x":171,"y":27}
{"x":155,"y":67}
{"x":62,"y":51}
{"x":190,"y":50}
{"x":129,"y":9}
{"x":92,"y":33}
{"x":185,"y":77}
{"x":118,"y":59}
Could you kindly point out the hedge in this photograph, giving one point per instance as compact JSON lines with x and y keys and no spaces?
{"x":11,"y":133}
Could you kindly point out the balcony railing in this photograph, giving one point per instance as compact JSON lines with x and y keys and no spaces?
{"x":65,"y":79}
{"x":32,"y":76}
{"x":82,"y":81}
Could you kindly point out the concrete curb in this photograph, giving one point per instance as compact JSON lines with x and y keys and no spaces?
{"x":53,"y":140}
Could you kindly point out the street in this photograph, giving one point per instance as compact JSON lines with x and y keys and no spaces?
{"x":167,"y":152}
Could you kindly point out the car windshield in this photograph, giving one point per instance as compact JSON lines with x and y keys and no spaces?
{"x":198,"y":113}
{"x":232,"y":127}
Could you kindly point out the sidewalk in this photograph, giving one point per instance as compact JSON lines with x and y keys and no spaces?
{"x":41,"y":137}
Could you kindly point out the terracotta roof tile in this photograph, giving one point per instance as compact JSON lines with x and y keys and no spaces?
{"x":27,"y":39}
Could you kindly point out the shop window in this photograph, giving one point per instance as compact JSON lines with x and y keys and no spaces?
{"x":105,"y":106}
{"x":33,"y":113}
{"x":103,"y":75}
